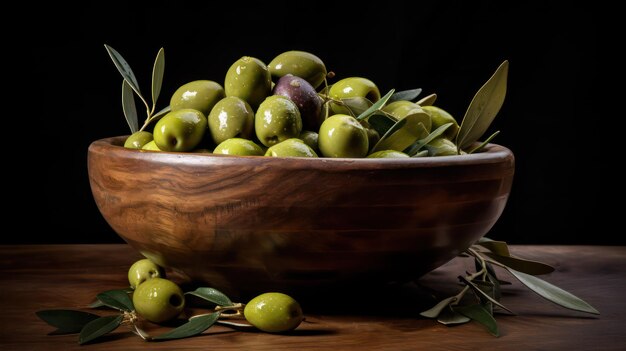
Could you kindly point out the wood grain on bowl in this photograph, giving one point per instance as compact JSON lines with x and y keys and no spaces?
{"x":238,"y":223}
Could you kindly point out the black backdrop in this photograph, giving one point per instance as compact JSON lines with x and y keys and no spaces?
{"x":449,"y":48}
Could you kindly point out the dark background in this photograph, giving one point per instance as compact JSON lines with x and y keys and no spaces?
{"x":449,"y":48}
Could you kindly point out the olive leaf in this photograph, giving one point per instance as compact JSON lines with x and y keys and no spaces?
{"x":482,"y":294}
{"x":479,"y":314}
{"x":196,"y":325}
{"x":157,"y":75}
{"x":408,"y":95}
{"x":128,"y":106}
{"x":212,"y":295}
{"x":99,"y":327}
{"x":436,"y":310}
{"x":497,"y":247}
{"x":381,"y":122}
{"x":66,"y":321}
{"x":519,"y":264}
{"x":484,"y":107}
{"x":484,"y":143}
{"x":404,"y":133}
{"x":117,"y":299}
{"x":427,"y":100}
{"x":450,"y":317}
{"x":376,"y":106}
{"x":419,"y":144}
{"x":553,"y":293}
{"x":422,"y":153}
{"x":124,"y":68}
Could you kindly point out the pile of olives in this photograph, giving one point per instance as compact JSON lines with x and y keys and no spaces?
{"x":159,"y":300}
{"x":284,"y":109}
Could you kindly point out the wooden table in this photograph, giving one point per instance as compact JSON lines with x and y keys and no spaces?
{"x":69,"y":276}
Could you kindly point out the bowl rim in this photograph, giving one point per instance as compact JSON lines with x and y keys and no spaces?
{"x":492,"y":153}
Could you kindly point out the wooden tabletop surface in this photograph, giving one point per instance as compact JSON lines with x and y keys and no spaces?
{"x":40,"y":277}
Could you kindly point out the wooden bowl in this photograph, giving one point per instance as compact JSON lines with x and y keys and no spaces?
{"x":256,"y":224}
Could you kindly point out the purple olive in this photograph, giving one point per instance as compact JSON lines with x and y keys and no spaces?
{"x":304,"y":96}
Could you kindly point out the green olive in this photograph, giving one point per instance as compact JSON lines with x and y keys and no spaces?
{"x":276,"y":120}
{"x":372,"y":137}
{"x":301,"y":64}
{"x":239,"y":147}
{"x":138,"y":139}
{"x":199,"y":95}
{"x":143,"y":270}
{"x":158,"y":300}
{"x":352,"y":87}
{"x":180,"y":130}
{"x":291,"y":148}
{"x":310,"y":138}
{"x":388,"y":154}
{"x":441,"y":147}
{"x":440,"y":117}
{"x":231,"y":117}
{"x":152,"y":146}
{"x":343,"y":136}
{"x":248,"y":79}
{"x":400,"y":109}
{"x":273,"y":312}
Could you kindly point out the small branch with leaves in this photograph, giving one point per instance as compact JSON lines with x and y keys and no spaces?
{"x":480,"y":297}
{"x":91,"y":326}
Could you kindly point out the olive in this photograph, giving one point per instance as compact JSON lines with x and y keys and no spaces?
{"x":291,"y":148}
{"x":372,"y":137}
{"x":199,"y":95}
{"x":249,"y":79}
{"x":143,"y":270}
{"x":353,"y":87}
{"x":180,"y":130}
{"x":276,"y":120}
{"x":152,"y":146}
{"x":231,"y":117}
{"x":301,"y":64}
{"x":388,"y":154}
{"x":310,"y":138}
{"x":441,"y":147}
{"x":304,"y":96}
{"x":273,"y":312}
{"x":239,"y":147}
{"x":158,"y":300}
{"x":138,"y":139}
{"x":402,"y":108}
{"x":343,"y":136}
{"x":440,"y":117}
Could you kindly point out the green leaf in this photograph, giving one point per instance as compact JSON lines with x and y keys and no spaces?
{"x":422,"y":153}
{"x":519,"y":264}
{"x":484,"y":107}
{"x":484,"y":143}
{"x":128,"y":106}
{"x":408,"y":95}
{"x":326,"y":110}
{"x":96,"y":304}
{"x":449,"y":317}
{"x":212,"y":295}
{"x":99,"y":327}
{"x":497,"y":247}
{"x":117,"y":299}
{"x":553,"y":293}
{"x":381,"y":122}
{"x":483,"y":294}
{"x":419,"y":144}
{"x":427,"y":100}
{"x":66,"y":321}
{"x":436,"y":310}
{"x":124,"y":68}
{"x":480,"y":315}
{"x":194,"y":326}
{"x":376,"y":106}
{"x":157,"y":75}
{"x":403,"y":134}
{"x":357,"y":104}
